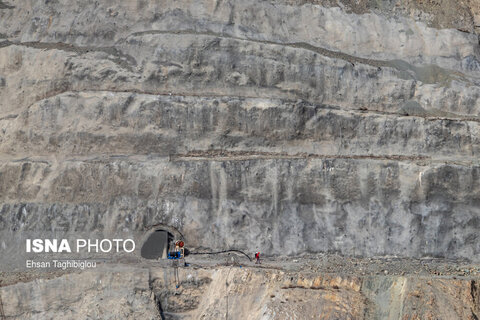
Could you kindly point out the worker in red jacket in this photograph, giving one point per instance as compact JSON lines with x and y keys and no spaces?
{"x":257,"y":257}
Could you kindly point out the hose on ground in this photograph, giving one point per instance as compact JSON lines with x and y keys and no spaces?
{"x":224,"y":251}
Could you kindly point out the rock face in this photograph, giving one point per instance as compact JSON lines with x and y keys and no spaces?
{"x":234,"y":293}
{"x":283,"y":126}
{"x":121,"y":293}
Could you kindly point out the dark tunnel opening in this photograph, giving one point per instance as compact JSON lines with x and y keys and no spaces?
{"x":157,"y":245}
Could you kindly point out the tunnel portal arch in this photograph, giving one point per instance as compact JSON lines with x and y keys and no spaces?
{"x":158,"y":241}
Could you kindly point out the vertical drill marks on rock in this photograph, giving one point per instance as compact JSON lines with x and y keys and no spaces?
{"x":2,"y":313}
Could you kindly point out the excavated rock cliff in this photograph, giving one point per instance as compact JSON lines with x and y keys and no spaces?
{"x":280,"y":126}
{"x":285,"y":126}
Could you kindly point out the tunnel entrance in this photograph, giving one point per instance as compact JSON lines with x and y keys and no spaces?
{"x":157,"y":245}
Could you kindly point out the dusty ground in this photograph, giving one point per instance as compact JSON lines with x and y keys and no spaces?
{"x":317,"y":263}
